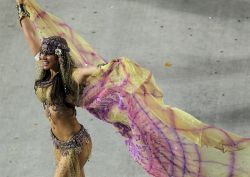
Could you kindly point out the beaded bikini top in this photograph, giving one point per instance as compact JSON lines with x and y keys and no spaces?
{"x":43,"y":91}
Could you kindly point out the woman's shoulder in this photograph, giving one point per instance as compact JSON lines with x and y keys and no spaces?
{"x":76,"y":73}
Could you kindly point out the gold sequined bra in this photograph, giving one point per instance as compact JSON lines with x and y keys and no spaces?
{"x":43,"y":92}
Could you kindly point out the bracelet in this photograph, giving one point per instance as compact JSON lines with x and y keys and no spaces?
{"x":22,"y":12}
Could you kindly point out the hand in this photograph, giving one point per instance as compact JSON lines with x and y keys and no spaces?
{"x":116,"y":60}
{"x":20,"y":1}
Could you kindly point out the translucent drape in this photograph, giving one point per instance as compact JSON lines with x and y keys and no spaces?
{"x":164,"y":140}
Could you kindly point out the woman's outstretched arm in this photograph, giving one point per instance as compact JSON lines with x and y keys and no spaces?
{"x":29,"y":32}
{"x":81,"y":74}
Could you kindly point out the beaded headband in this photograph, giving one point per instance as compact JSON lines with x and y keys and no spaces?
{"x":54,"y":45}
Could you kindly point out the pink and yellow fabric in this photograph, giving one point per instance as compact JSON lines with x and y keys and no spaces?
{"x":164,"y":140}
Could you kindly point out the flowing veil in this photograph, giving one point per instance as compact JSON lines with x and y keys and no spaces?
{"x":166,"y":141}
{"x":47,"y":24}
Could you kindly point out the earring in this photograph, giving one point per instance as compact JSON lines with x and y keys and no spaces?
{"x":65,"y":89}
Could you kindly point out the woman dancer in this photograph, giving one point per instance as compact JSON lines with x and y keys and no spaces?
{"x":164,"y":140}
{"x":57,"y":87}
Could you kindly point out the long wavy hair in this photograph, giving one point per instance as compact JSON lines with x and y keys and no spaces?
{"x":63,"y":84}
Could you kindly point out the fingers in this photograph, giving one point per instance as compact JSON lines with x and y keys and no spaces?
{"x":116,"y":60}
{"x":19,"y":1}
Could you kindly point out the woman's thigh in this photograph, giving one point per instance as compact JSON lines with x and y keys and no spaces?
{"x":85,"y":153}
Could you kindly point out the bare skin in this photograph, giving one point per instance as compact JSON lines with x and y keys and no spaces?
{"x":63,"y":123}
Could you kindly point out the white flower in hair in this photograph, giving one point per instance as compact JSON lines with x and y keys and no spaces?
{"x":58,"y":52}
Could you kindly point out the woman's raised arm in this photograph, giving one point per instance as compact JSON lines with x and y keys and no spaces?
{"x":28,"y":30}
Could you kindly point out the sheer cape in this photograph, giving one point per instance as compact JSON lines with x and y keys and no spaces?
{"x":166,"y":141}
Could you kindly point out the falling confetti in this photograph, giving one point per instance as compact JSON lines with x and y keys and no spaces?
{"x":167,"y":64}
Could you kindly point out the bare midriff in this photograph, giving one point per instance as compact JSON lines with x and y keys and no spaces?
{"x":63,"y":121}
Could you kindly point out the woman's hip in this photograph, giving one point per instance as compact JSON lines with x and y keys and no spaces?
{"x":80,"y":141}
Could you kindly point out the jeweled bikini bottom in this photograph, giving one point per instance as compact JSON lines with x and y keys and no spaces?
{"x":76,"y":142}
